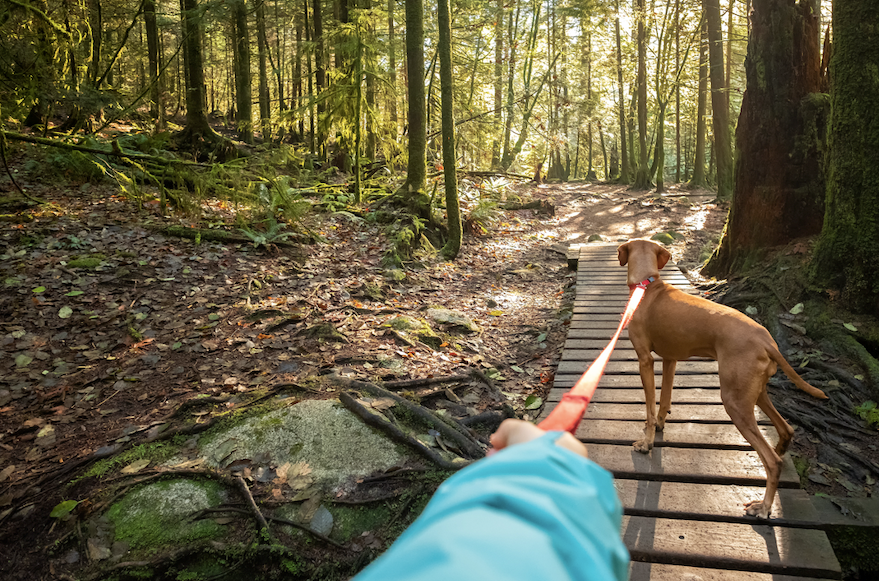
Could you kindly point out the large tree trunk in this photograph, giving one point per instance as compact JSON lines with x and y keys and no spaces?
{"x":243,"y":90}
{"x":453,"y":244}
{"x":317,"y":38}
{"x":779,"y":183}
{"x":392,"y":73}
{"x":847,"y":255}
{"x":698,"y":179}
{"x":719,"y":100}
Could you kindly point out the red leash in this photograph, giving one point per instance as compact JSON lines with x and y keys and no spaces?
{"x":567,"y":414}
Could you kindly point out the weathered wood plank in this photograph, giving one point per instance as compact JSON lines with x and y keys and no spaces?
{"x":680,"y":435}
{"x":697,"y":413}
{"x":661,"y":572}
{"x":717,"y":502}
{"x":621,"y":353}
{"x":628,"y":381}
{"x":636,"y":395}
{"x":571,"y":365}
{"x":690,"y":465}
{"x":745,"y":547}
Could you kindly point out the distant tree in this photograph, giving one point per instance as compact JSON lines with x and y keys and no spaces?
{"x":847,"y":254}
{"x":697,"y":180}
{"x":719,"y":100}
{"x":642,"y":177}
{"x":243,"y":80}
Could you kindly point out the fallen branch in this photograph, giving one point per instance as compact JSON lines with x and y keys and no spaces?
{"x":424,"y":381}
{"x":451,"y":431}
{"x":396,"y":433}
{"x":248,"y":498}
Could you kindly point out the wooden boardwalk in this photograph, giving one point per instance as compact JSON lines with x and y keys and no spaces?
{"x":683,"y":501}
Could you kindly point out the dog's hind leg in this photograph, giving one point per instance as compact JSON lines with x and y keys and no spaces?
{"x":668,"y":382}
{"x":785,"y":432}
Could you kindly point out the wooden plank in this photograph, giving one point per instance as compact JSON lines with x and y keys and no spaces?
{"x":569,"y":365}
{"x":697,"y":413}
{"x":620,"y":353}
{"x":628,"y":381}
{"x":636,"y":395}
{"x":690,"y":465}
{"x":681,"y":435}
{"x":733,"y":546}
{"x":662,"y":572}
{"x":722,"y":503}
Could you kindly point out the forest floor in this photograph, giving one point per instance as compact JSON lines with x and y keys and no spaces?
{"x":108,"y":326}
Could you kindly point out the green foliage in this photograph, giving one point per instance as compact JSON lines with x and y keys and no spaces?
{"x":157,"y":452}
{"x":76,"y":165}
{"x":271,"y":235}
{"x":869,"y":412}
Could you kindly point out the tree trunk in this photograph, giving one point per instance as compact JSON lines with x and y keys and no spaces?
{"x":392,"y":72}
{"x":243,"y":90}
{"x":96,"y":25}
{"x":416,"y":171}
{"x":698,"y":179}
{"x":498,"y":83}
{"x":847,"y":254}
{"x":265,"y":110}
{"x":779,"y":183}
{"x":512,"y":33}
{"x":642,"y":174}
{"x":157,"y":111}
{"x":719,"y":100}
{"x":678,"y":92}
{"x":453,"y":244}
{"x":624,"y":155}
{"x":317,"y":38}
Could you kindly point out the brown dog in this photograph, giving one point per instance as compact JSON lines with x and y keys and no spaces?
{"x":676,"y":326}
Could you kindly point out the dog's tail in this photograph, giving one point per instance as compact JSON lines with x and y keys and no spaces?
{"x":779,"y":359}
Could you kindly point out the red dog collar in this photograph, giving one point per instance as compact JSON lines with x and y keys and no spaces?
{"x":643,"y":284}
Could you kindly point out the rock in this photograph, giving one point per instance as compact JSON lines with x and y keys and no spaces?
{"x":453,"y":318}
{"x":595,"y":238}
{"x":663,"y":238}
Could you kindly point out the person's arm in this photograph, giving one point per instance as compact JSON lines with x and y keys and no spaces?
{"x":538,"y":510}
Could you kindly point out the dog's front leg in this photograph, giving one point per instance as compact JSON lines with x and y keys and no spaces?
{"x":645,"y":366}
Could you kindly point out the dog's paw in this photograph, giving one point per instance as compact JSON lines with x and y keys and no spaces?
{"x":643,"y":446}
{"x":755,"y":508}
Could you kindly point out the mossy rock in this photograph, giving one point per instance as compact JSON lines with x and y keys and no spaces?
{"x":395,"y":274}
{"x":663,"y":238}
{"x":157,"y":515}
{"x":595,"y":238}
{"x":325,"y":332}
{"x":453,"y":319}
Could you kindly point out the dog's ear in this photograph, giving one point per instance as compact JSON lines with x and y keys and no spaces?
{"x":662,"y":257}
{"x":623,"y":253}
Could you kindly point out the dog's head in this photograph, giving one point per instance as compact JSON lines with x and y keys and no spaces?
{"x":644,"y":258}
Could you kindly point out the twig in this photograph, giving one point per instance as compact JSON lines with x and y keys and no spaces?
{"x":11,"y":177}
{"x":248,"y":498}
{"x":396,"y":433}
{"x":275,"y":519}
{"x":451,"y":431}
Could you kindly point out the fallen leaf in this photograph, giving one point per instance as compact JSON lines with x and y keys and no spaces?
{"x":65,"y":312}
{"x":135,"y":467}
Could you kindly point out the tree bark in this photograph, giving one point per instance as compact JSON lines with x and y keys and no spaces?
{"x":498,"y":83}
{"x":847,"y":254}
{"x":453,"y":243}
{"x":416,"y":171}
{"x":265,"y":110}
{"x":243,"y":90}
{"x":719,"y":100}
{"x":642,"y":175}
{"x":779,"y":182}
{"x":317,"y":38}
{"x":392,"y":72}
{"x":624,"y":155}
{"x":157,"y":111}
{"x":698,"y":179}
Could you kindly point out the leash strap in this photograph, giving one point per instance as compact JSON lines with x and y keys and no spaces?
{"x":567,"y":414}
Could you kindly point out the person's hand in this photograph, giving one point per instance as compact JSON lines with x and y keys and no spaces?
{"x":512,"y":432}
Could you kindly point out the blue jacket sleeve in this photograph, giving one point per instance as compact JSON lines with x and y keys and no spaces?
{"x":534,"y":511}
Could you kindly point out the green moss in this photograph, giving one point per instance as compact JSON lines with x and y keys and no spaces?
{"x":157,"y":452}
{"x":86,"y":262}
{"x":352,"y":521}
{"x":855,"y":547}
{"x":157,"y":514}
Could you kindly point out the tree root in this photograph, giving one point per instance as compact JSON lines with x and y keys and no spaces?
{"x":396,"y":433}
{"x":424,"y":381}
{"x":453,"y":432}
{"x":248,"y":499}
